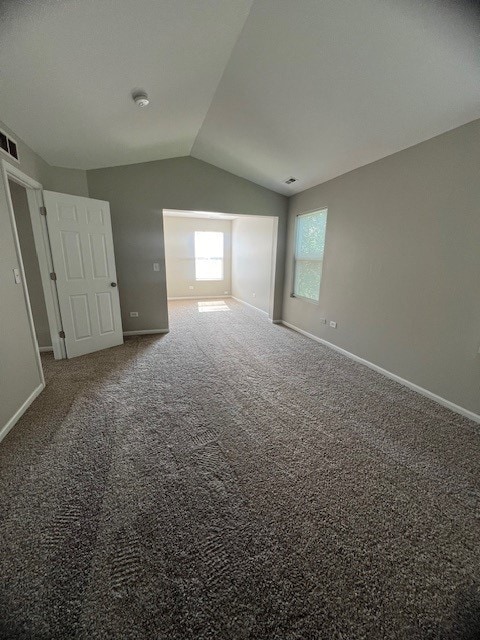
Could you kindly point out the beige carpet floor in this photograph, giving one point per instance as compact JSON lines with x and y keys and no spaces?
{"x":234,"y":480}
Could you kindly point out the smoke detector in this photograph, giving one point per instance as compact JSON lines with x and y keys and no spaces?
{"x":290,"y":180}
{"x":140,"y":98}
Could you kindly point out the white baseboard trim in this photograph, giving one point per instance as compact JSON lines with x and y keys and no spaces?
{"x":44,"y":349}
{"x":250,"y":305}
{"x":224,"y":295}
{"x":393,"y":376}
{"x":19,"y":413}
{"x":145,"y":332}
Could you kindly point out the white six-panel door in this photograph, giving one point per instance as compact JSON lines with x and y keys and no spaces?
{"x":81,"y":241}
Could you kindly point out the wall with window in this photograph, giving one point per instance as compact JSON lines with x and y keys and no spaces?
{"x":401,"y":268}
{"x":138,"y":193}
{"x":197,"y":273}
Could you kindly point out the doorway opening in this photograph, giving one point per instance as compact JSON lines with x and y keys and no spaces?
{"x":211,"y":257}
{"x":72,"y":258}
{"x":33,"y":278}
{"x":34,"y":263}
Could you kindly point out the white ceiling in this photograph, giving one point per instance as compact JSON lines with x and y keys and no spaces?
{"x":266,"y":89}
{"x":68,"y":68}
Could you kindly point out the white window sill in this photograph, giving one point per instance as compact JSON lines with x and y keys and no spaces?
{"x":309,"y":300}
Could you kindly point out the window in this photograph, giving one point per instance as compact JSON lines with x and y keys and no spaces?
{"x":8,"y":146}
{"x":208,"y":255}
{"x":309,"y":249}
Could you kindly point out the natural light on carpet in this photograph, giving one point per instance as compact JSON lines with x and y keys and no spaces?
{"x":212,"y":305}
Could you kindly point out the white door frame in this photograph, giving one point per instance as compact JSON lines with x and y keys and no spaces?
{"x":271,"y":309}
{"x":42,"y":245}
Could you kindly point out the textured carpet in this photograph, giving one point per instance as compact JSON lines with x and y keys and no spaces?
{"x":234,"y":480}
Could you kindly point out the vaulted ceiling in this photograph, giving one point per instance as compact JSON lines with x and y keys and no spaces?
{"x":266,"y":89}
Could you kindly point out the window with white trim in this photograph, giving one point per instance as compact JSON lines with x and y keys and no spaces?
{"x":309,"y":249}
{"x":208,"y":255}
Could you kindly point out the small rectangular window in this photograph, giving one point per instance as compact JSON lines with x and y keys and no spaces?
{"x":12,"y":149}
{"x":309,"y":250}
{"x":208,"y":255}
{"x":3,"y":142}
{"x":9,"y":146}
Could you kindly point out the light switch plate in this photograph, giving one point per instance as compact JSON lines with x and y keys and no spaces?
{"x":17,"y":276}
{"x":156,"y":266}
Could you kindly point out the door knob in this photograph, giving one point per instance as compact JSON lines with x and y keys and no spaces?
{"x":113,"y":284}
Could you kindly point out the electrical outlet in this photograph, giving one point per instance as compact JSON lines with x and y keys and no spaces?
{"x":323,"y":321}
{"x":156,"y":266}
{"x":190,"y":287}
{"x":254,"y":295}
{"x":333,"y":324}
{"x":133,"y":314}
{"x":225,"y":293}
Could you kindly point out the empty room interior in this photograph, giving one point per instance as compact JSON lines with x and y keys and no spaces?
{"x":240,"y":320}
{"x":213,"y":256}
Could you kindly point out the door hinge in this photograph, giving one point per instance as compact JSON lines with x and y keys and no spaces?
{"x":61,"y":334}
{"x":43,"y":211}
{"x":53,"y":276}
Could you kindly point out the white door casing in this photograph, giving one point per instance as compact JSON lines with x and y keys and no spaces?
{"x":81,"y":242}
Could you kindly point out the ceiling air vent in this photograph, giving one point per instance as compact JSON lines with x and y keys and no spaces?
{"x":8,"y":146}
{"x":290,"y":180}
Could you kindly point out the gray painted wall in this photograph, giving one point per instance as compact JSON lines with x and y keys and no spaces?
{"x":19,"y":375}
{"x":180,"y":257}
{"x":252,"y":257}
{"x":29,"y":162}
{"x":402,"y":264}
{"x":138,"y":194}
{"x":71,"y":181}
{"x":30,"y":264}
